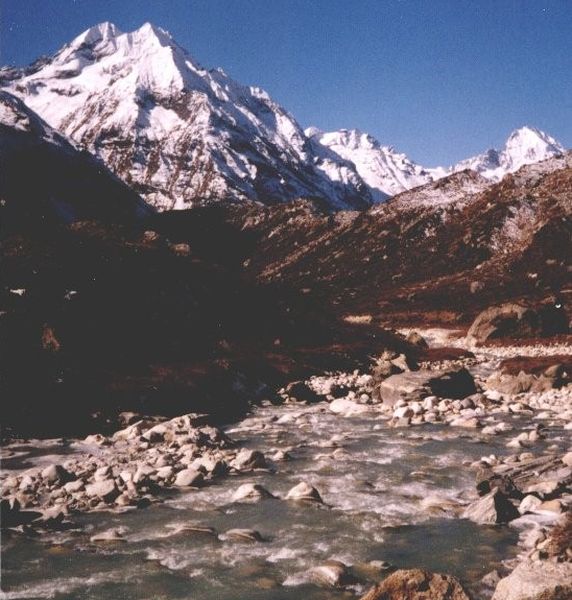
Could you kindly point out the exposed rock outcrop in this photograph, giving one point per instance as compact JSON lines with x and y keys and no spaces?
{"x":415,"y":584}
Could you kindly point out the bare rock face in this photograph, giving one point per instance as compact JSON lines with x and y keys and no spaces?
{"x":415,"y":584}
{"x":537,"y":580}
{"x":515,"y":320}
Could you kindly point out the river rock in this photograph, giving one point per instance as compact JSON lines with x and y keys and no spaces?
{"x":106,"y":490}
{"x":347,"y":408}
{"x":115,"y":534}
{"x":251,"y":492}
{"x":243,"y":535}
{"x":331,"y":574}
{"x":74,"y":486}
{"x":247,"y":460}
{"x":301,"y":391}
{"x":416,"y":385}
{"x":537,"y":580}
{"x":529,"y":503}
{"x":56,"y":473}
{"x":189,"y":478}
{"x":305,"y":492}
{"x":415,"y":584}
{"x":493,"y":508}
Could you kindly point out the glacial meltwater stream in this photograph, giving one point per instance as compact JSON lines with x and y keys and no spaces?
{"x":390,"y":495}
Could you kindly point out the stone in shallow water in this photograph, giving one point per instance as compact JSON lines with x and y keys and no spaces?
{"x":115,"y":534}
{"x":243,"y":535}
{"x":304,"y":491}
{"x":331,"y":574}
{"x":189,"y":478}
{"x":251,"y":492}
{"x":106,"y":490}
{"x":249,"y":459}
{"x":529,"y":503}
{"x":192,"y":529}
{"x":493,"y":508}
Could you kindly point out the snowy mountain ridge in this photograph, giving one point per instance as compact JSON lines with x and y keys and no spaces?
{"x":182,"y":135}
{"x":389,"y":173}
{"x":178,"y":133}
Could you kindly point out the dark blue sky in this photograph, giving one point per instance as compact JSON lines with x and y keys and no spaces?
{"x":438,"y":79}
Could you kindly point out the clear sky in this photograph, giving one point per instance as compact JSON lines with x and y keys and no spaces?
{"x":438,"y":79}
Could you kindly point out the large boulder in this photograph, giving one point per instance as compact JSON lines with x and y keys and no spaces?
{"x":518,"y":321}
{"x":416,"y":385}
{"x":537,"y":580}
{"x":493,"y":508}
{"x":415,"y":584}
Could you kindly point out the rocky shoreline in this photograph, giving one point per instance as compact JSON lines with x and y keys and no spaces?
{"x":529,"y":487}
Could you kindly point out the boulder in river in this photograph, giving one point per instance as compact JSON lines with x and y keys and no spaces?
{"x":332,"y":573}
{"x":301,"y":391}
{"x":106,"y":490}
{"x":493,"y":508}
{"x":189,"y":478}
{"x":537,"y":580}
{"x":247,"y":460}
{"x":415,"y":584}
{"x":243,"y":535}
{"x":416,"y":385}
{"x":251,"y":492}
{"x":115,"y":534}
{"x":304,"y":492}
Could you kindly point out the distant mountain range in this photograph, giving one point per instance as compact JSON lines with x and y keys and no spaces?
{"x":181,"y":135}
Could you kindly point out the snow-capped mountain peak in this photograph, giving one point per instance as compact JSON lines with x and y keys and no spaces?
{"x":178,"y":133}
{"x":529,"y":145}
{"x":524,"y":146}
{"x":98,"y":33}
{"x":386,"y":171}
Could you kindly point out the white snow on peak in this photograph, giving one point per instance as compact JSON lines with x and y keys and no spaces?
{"x":388,"y":172}
{"x":178,"y":133}
{"x":16,"y":116}
{"x":98,"y":33}
{"x":524,"y":146}
{"x":385,"y":171}
{"x":181,"y":134}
